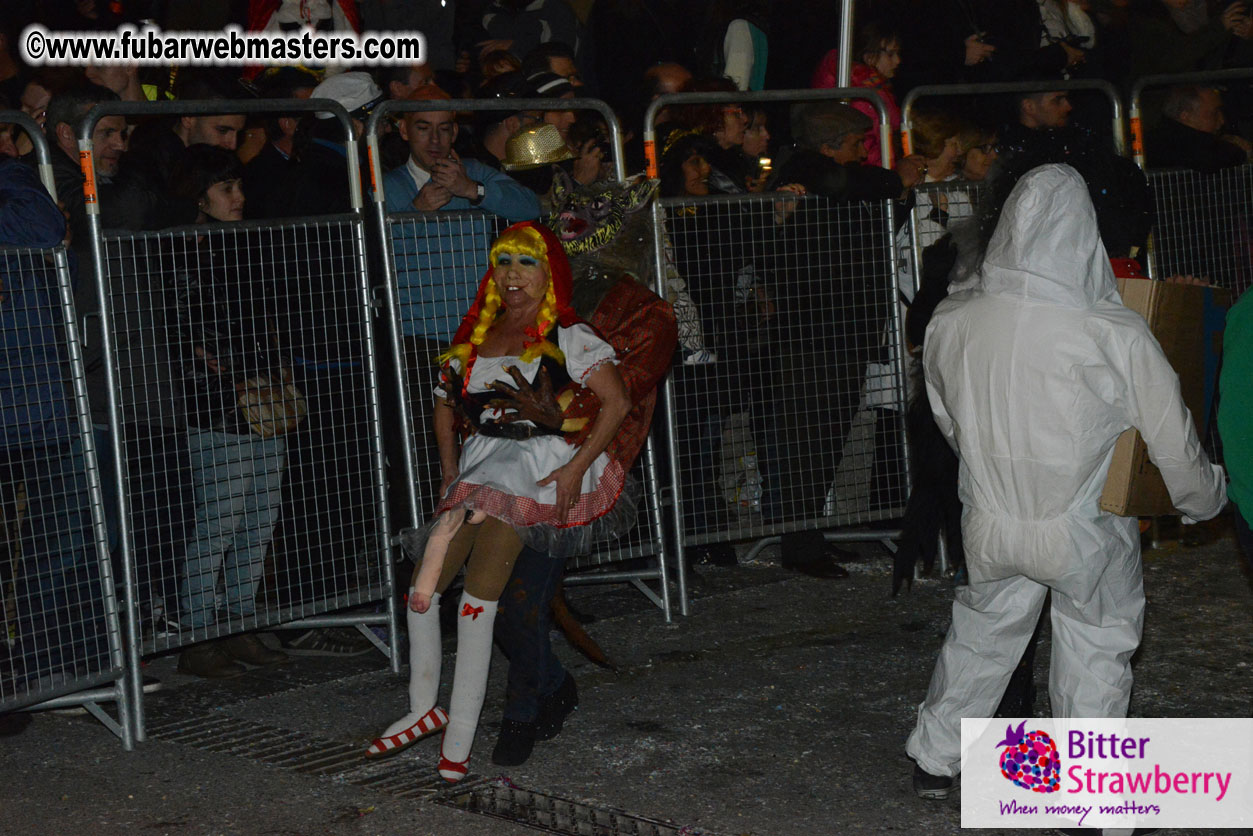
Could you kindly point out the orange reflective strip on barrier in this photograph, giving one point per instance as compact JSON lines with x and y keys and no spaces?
{"x":905,"y":143}
{"x":650,"y":157}
{"x":89,"y":174}
{"x":369,"y":162}
{"x":1137,"y":138}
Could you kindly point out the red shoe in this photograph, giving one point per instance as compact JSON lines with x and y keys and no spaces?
{"x":429,"y":723}
{"x":451,"y":771}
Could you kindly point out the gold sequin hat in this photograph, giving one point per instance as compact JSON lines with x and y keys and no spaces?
{"x":536,"y":146}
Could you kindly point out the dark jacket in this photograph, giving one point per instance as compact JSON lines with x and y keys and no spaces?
{"x":140,"y":305}
{"x":142,"y":197}
{"x":263,"y":181}
{"x":315,"y":183}
{"x":821,"y":175}
{"x":223,"y":330}
{"x":934,"y":34}
{"x":842,"y":297}
{"x":1175,"y":145}
{"x":34,"y":400}
{"x":1158,"y":45}
{"x":1119,"y":190}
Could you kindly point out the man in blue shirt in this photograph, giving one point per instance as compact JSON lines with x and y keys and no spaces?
{"x":440,"y":259}
{"x":435,"y":178}
{"x":439,"y":263}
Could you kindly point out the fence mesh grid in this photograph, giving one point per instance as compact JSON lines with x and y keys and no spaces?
{"x":243,"y":393}
{"x":1205,"y":225}
{"x":787,"y":407}
{"x":439,"y":259}
{"x":57,"y":606}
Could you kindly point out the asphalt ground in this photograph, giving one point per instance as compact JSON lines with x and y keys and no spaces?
{"x":779,"y":706}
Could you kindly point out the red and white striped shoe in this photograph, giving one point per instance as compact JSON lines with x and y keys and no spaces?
{"x":451,"y":771}
{"x":389,"y":744}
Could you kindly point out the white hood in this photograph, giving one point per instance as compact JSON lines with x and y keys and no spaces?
{"x":1047,"y":246}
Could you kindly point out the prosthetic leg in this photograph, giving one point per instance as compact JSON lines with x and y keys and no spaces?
{"x":446,"y":527}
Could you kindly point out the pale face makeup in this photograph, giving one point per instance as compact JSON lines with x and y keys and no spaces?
{"x":521,"y":279}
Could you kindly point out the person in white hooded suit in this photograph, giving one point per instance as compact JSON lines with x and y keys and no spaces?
{"x":1034,"y":367}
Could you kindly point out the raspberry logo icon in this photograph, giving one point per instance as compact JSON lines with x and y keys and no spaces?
{"x":1030,"y":759}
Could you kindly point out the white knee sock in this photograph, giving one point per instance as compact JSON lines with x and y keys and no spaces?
{"x":424,"y":661}
{"x":469,"y":683}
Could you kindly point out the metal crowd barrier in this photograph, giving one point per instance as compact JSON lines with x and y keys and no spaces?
{"x":432,"y":264}
{"x":245,"y":425}
{"x":1204,"y":226}
{"x":62,"y":644}
{"x":770,"y":428}
{"x":1204,"y":220}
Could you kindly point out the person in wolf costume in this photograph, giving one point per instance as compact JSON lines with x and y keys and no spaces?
{"x":604,"y":227}
{"x":597,"y":224}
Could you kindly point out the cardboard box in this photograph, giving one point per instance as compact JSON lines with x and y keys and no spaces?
{"x":1188,"y":322}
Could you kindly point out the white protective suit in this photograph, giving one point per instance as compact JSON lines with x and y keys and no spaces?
{"x":1033,"y":371}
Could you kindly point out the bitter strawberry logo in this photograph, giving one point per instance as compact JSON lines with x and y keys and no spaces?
{"x":1030,"y":759}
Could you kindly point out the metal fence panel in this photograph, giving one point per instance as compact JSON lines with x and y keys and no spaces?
{"x":776,"y":432}
{"x":243,"y":357}
{"x":1204,"y":226}
{"x":57,"y":601}
{"x":437,"y":260}
{"x":938,"y":208}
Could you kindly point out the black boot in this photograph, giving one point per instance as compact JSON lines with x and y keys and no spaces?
{"x":515,"y":743}
{"x":809,"y":553}
{"x":555,"y":708}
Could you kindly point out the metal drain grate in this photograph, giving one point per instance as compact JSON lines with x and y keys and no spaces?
{"x":301,"y":752}
{"x":259,"y":742}
{"x":551,"y":814}
{"x":400,"y":777}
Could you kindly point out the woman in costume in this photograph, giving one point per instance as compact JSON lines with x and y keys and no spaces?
{"x":512,"y":481}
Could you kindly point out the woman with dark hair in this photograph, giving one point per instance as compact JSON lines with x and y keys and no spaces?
{"x":876,"y":56}
{"x":239,"y":402}
{"x":685,"y":166}
{"x":724,"y":124}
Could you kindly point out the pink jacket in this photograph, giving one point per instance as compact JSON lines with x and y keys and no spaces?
{"x":826,"y":75}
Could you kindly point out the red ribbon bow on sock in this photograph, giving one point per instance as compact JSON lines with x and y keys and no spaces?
{"x":473,"y":612}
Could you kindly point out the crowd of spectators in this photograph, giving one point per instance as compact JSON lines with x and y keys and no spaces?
{"x":222,"y":168}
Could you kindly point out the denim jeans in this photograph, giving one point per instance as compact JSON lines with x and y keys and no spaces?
{"x":236,"y":481}
{"x":522,"y":629}
{"x":60,"y":611}
{"x":326,"y":542}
